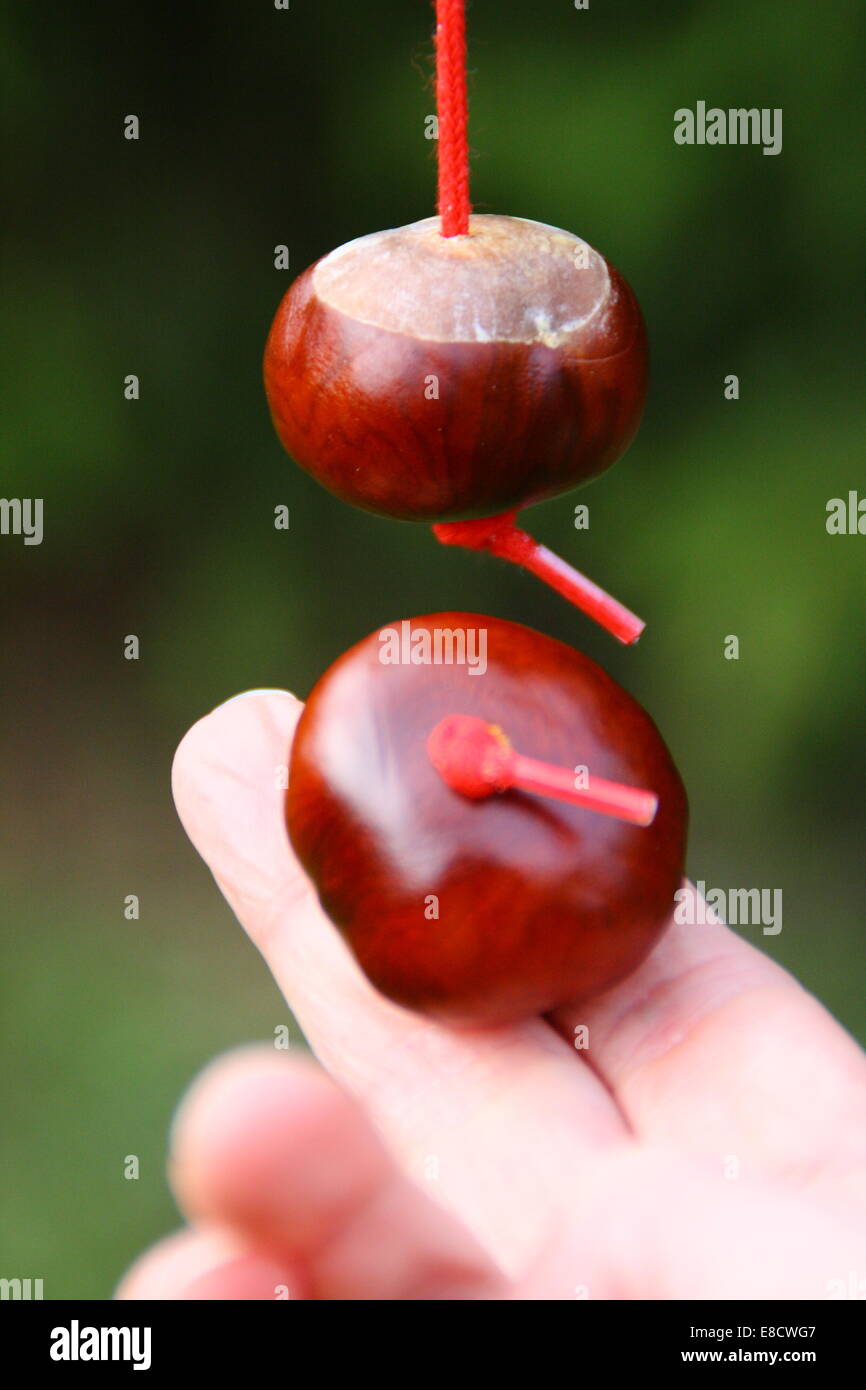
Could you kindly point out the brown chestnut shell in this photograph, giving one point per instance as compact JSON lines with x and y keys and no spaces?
{"x":482,"y":912}
{"x":422,"y":384}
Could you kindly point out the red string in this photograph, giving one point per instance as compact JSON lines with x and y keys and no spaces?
{"x":454,"y":205}
{"x":476,"y":759}
{"x":502,"y":537}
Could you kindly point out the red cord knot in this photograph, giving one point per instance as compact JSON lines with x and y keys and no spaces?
{"x":473,"y":757}
{"x":477,"y":760}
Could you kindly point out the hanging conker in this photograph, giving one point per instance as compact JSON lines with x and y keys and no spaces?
{"x":430,"y":378}
{"x":471,"y":907}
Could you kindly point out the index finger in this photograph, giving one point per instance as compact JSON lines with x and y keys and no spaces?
{"x":498,"y":1120}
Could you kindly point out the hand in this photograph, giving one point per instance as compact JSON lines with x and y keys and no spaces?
{"x":709,"y":1143}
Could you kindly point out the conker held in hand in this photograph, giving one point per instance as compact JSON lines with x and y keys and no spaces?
{"x":476,"y":908}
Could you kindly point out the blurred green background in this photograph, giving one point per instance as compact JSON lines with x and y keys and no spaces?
{"x":306,"y":127}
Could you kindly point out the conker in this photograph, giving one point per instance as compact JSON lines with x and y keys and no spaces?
{"x":480,"y":909}
{"x":431,"y":378}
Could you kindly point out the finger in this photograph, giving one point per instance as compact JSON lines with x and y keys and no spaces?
{"x":203,"y":1265}
{"x":273,"y":1150}
{"x":712,"y":1046}
{"x":655,"y":1225}
{"x":500,"y":1120}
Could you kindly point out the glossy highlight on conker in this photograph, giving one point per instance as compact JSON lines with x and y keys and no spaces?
{"x":482,"y":911}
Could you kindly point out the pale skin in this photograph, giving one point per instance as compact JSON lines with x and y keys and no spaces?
{"x":709,"y":1142}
